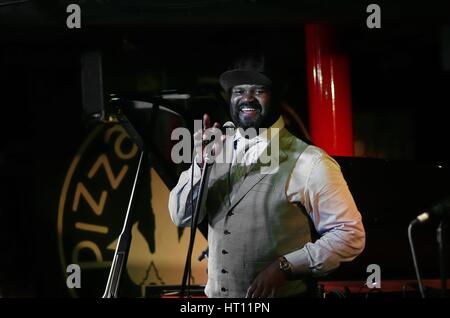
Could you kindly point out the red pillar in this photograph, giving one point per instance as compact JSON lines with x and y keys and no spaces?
{"x":330,"y":113}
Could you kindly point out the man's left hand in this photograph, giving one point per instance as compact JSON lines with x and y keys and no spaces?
{"x":267,"y":282}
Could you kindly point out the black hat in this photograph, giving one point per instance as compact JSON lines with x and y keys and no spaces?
{"x":246,"y":70}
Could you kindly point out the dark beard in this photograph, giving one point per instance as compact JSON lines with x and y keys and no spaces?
{"x":262,"y":121}
{"x":240,"y":122}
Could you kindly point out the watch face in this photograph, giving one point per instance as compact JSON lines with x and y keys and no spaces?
{"x":285,"y":266}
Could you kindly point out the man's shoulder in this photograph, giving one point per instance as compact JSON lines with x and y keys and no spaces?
{"x":306,"y":152}
{"x":316,"y":152}
{"x":310,"y":153}
{"x":291,"y":141}
{"x":295,"y":142}
{"x":318,"y":160}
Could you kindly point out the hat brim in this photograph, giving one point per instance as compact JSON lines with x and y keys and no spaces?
{"x":232,"y":78}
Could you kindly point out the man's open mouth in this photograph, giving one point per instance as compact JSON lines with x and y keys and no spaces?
{"x":250,"y":109}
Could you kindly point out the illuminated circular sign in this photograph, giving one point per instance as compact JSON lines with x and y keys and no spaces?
{"x":91,"y":211}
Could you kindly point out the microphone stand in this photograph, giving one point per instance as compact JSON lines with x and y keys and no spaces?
{"x":199,"y":205}
{"x":413,"y":254}
{"x":441,"y":232}
{"x":123,"y":245}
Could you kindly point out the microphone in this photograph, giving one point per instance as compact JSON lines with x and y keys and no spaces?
{"x":439,"y":210}
{"x":227,"y":125}
{"x":225,"y":130}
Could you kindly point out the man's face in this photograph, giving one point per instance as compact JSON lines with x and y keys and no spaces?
{"x":250,"y":105}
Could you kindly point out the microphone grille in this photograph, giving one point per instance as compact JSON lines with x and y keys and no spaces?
{"x":228,"y":124}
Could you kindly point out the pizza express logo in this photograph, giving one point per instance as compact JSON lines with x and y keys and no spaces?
{"x":92,"y":207}
{"x":91,"y":211}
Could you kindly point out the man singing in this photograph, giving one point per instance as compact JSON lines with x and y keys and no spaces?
{"x":269,"y":234}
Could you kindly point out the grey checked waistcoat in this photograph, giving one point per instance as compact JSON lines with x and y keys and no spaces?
{"x":252,"y":223}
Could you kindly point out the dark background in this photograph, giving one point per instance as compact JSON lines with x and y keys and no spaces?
{"x":400,"y":78}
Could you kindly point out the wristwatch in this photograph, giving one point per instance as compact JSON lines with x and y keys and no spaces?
{"x":285,"y":266}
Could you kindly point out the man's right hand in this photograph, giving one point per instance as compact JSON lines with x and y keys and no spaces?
{"x":202,"y":138}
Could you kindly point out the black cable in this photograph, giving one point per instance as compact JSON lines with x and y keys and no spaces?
{"x":187,"y":267}
{"x":413,"y":253}
{"x":192,"y":222}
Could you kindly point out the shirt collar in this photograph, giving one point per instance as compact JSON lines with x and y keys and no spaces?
{"x":267,"y":134}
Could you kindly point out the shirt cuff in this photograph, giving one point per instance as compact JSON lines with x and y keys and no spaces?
{"x":300,"y":261}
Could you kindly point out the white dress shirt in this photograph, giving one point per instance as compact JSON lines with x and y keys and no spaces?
{"x":316,"y":183}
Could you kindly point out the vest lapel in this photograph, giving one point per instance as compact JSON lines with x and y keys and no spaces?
{"x":254,"y":176}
